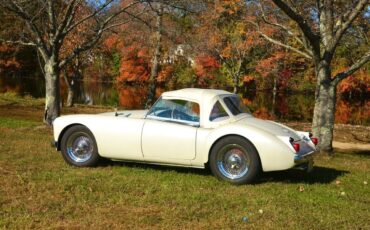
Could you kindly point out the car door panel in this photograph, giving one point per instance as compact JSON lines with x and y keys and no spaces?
{"x":119,"y":138}
{"x":168,"y":140}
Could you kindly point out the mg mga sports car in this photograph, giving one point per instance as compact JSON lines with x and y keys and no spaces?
{"x":189,"y":127}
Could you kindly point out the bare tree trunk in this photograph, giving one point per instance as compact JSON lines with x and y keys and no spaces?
{"x":236,"y":83}
{"x":48,"y":24}
{"x":274,"y":91}
{"x":157,"y":55}
{"x":70,"y":101}
{"x":320,"y":46}
{"x":236,"y":75}
{"x":52,"y":98}
{"x":71,"y":90}
{"x":324,"y":111}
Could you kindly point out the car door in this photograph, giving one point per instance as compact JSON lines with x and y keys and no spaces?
{"x":170,"y":130}
{"x":119,"y":137}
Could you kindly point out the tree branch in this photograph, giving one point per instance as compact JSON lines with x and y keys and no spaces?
{"x":135,"y":16}
{"x":360,"y":62}
{"x":286,"y":29}
{"x":15,"y":8}
{"x":18,"y":42}
{"x":81,"y":48}
{"x":168,"y":3}
{"x":117,"y":24}
{"x":67,"y":17}
{"x":276,"y":42}
{"x":346,"y":20}
{"x":93,"y":14}
{"x":312,"y":37}
{"x":102,"y":27}
{"x":51,"y":14}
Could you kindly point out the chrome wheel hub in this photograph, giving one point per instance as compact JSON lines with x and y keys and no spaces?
{"x":232,"y":161}
{"x":79,"y":147}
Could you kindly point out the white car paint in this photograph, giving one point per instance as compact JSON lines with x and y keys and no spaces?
{"x":132,"y":136}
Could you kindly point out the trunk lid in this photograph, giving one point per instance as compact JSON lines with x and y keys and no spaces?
{"x":271,"y":127}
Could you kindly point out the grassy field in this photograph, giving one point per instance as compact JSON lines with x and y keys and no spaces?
{"x":38,"y":190}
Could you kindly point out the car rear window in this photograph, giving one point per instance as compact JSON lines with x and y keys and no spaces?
{"x":217,"y":112}
{"x":235,"y":105}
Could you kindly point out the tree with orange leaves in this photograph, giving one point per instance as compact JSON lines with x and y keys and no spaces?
{"x":206,"y":69}
{"x":134,"y":64}
{"x":315,"y":30}
{"x":45,"y":26}
{"x":229,"y":37}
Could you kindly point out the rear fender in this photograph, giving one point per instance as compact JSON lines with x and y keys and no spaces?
{"x":273,"y":153}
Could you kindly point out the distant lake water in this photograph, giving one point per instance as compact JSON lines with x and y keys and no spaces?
{"x":297,"y":106}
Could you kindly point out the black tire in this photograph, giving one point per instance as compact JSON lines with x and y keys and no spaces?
{"x":78,"y":147}
{"x":234,"y":159}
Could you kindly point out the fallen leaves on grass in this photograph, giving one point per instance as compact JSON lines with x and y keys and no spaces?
{"x":301,"y":188}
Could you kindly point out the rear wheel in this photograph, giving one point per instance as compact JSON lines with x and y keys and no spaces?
{"x":78,"y":147}
{"x":234,"y":159}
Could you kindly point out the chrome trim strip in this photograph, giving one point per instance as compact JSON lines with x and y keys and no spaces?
{"x":298,"y":159}
{"x":177,"y":121}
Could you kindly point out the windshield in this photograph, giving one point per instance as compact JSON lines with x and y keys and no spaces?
{"x":235,"y":105}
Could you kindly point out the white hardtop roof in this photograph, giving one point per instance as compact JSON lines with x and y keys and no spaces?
{"x":195,"y":94}
{"x":206,"y":99}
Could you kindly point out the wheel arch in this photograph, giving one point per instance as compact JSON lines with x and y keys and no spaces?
{"x":231,"y":135}
{"x":61,"y":134}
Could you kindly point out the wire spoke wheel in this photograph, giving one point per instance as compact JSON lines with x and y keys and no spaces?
{"x":232,"y":161}
{"x":79,"y":147}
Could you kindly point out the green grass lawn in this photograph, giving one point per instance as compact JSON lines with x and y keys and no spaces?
{"x":38,"y":190}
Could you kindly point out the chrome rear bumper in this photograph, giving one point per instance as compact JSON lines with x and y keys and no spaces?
{"x":303,"y":158}
{"x":305,"y":161}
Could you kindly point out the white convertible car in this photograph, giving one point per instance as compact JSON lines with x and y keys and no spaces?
{"x":188,"y":127}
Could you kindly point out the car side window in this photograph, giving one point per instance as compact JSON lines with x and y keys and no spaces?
{"x":217,"y":111}
{"x":235,"y":105}
{"x":176,"y":110}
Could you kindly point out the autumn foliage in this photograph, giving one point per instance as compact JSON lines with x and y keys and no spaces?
{"x":14,"y":59}
{"x":8,"y":61}
{"x":219,"y":44}
{"x":275,"y":66}
{"x":135,"y":65}
{"x":355,"y":84}
{"x":205,"y":69}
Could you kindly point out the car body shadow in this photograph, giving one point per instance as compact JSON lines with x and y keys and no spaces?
{"x":163,"y":168}
{"x":320,"y":175}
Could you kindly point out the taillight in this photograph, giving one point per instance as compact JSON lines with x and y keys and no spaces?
{"x":314,"y":140}
{"x":295,"y":145}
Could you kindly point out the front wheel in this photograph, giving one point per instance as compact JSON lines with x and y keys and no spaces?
{"x":235,"y":160}
{"x":78,"y":147}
